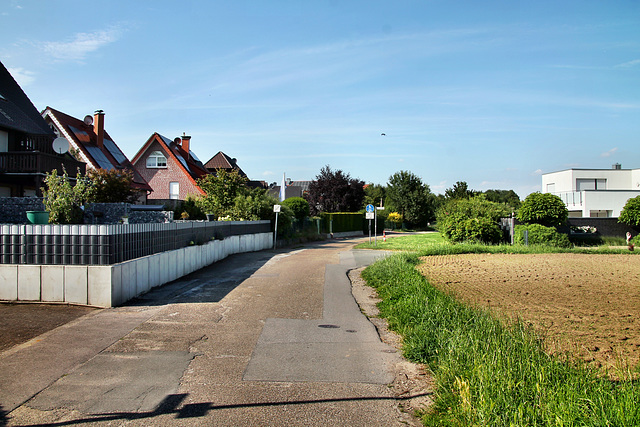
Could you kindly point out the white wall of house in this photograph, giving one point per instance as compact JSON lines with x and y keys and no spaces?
{"x":593,"y":192}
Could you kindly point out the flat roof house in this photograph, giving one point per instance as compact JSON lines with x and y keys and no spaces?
{"x":593,"y":193}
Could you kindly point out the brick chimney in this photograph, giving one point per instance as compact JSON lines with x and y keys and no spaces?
{"x":185,"y":142}
{"x":98,"y":127}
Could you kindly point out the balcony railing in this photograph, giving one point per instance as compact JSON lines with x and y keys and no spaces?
{"x":38,"y":162}
{"x":571,"y":198}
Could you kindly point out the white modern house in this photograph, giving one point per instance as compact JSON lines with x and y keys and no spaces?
{"x":593,"y":193}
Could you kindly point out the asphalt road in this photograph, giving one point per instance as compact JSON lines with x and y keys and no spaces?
{"x":266,"y":338}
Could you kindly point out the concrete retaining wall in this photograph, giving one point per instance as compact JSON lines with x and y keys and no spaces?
{"x":112,"y":285}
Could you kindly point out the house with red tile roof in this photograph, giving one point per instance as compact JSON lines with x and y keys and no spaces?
{"x":90,"y":143}
{"x":170,"y":167}
{"x":221,"y":161}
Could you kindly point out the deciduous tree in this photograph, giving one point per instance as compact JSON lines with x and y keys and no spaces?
{"x":335,"y":191}
{"x":412,"y":199}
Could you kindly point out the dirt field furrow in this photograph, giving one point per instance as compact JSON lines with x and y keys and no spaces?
{"x":586,"y":304}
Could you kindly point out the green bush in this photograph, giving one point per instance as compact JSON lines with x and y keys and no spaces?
{"x":299,"y":207}
{"x":342,"y":222}
{"x":543,"y":208}
{"x":541,"y":235}
{"x":191,"y":208}
{"x":630,"y":214}
{"x":473,"y":219}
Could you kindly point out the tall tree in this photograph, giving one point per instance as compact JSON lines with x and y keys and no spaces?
{"x":460,"y":190}
{"x":222,"y":189}
{"x":412,"y":199}
{"x":335,"y":191}
{"x":504,"y":196}
{"x":374,"y":194}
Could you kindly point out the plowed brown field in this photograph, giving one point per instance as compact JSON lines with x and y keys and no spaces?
{"x":588,"y":305}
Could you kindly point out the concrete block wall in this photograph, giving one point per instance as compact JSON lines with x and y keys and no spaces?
{"x":112,"y":285}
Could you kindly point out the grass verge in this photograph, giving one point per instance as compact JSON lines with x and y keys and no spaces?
{"x":434,"y":244}
{"x":487,"y":372}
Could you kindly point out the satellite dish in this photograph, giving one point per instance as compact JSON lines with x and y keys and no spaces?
{"x":60,"y":145}
{"x":88,"y":120}
{"x":177,"y":140}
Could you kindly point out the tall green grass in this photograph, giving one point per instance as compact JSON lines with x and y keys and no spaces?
{"x":487,"y":372}
{"x":434,"y":244}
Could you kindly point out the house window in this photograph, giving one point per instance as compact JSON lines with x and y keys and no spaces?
{"x":591,"y":184}
{"x":174,"y":190}
{"x":551,"y":188}
{"x":156,"y":160}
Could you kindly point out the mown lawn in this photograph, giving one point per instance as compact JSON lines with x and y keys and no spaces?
{"x":488,"y":372}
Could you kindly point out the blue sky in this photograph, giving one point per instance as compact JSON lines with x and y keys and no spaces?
{"x":493,"y":93}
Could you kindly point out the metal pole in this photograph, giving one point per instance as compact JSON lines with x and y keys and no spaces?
{"x":375,"y":219}
{"x":369,"y":231}
{"x":275,"y":233}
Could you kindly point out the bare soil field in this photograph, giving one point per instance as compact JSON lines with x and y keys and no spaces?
{"x":588,"y":305}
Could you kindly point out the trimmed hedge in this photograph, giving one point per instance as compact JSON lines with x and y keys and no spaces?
{"x":342,"y":221}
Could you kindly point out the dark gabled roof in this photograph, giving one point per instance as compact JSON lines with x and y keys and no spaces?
{"x":17,"y":112}
{"x":191,"y":166}
{"x":222,"y":161}
{"x":83,"y":138}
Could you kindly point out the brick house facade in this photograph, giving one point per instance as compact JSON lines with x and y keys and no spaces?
{"x":170,"y":168}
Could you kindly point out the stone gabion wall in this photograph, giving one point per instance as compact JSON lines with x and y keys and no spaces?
{"x":112,"y":213}
{"x":13,"y":210}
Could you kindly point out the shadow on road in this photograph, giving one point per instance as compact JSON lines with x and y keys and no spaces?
{"x":171,"y":405}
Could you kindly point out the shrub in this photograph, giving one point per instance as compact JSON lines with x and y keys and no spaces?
{"x":474,"y":219}
{"x":541,"y":235}
{"x":630,"y":214}
{"x":395,"y":218}
{"x":190,"y":207}
{"x":299,"y":207}
{"x":63,"y":200}
{"x":543,"y":208}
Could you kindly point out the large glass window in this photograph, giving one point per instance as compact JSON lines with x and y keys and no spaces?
{"x":591,"y":184}
{"x":156,"y":160}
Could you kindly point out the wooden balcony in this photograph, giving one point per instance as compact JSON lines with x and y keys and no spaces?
{"x":36,"y":162}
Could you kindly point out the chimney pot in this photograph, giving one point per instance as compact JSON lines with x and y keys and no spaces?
{"x":98,"y":127}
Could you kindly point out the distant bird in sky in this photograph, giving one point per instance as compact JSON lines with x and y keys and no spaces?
{"x":383,"y":134}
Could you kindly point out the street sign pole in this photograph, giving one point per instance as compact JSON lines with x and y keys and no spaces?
{"x":276,"y":209}
{"x":370,"y":215}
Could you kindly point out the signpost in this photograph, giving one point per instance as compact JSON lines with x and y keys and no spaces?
{"x":370,"y":214}
{"x":276,"y":209}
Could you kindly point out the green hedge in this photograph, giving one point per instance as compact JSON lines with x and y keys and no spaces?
{"x":541,"y":235}
{"x":342,"y":222}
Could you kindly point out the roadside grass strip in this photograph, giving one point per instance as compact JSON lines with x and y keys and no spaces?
{"x":491,"y":373}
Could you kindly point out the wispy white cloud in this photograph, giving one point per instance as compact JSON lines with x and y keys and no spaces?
{"x":629,"y":64}
{"x":609,"y":153}
{"x":22,"y":76}
{"x":80,"y":45}
{"x":537,"y":172}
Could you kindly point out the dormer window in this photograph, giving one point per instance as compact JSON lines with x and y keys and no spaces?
{"x":156,"y":160}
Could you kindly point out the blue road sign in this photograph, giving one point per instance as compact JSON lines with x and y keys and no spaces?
{"x":370,"y":208}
